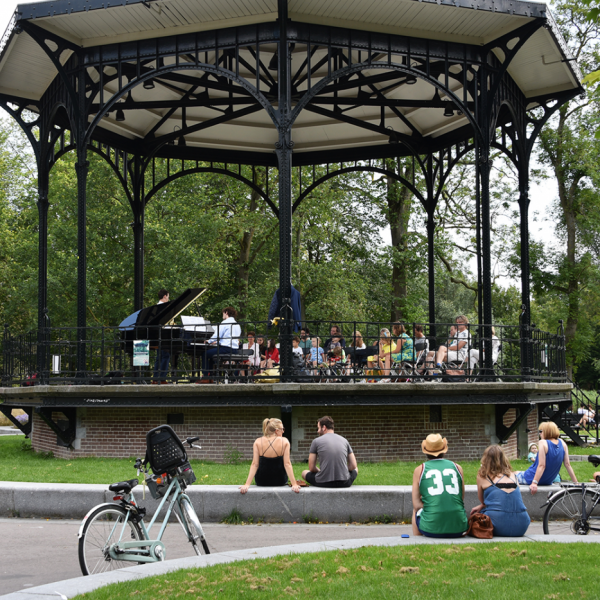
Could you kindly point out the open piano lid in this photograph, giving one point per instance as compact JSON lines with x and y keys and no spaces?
{"x":165,"y":314}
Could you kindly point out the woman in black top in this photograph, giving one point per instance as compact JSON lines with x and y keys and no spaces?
{"x":271,"y":464}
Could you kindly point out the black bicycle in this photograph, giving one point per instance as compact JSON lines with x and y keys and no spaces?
{"x":575,"y":508}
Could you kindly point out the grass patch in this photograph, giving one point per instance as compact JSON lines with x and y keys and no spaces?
{"x":18,"y":462}
{"x":233,"y":518}
{"x":511,"y":571}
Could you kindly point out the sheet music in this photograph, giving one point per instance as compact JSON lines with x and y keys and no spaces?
{"x":196,"y":324}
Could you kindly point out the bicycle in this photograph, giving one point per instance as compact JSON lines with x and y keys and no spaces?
{"x":112,"y":535}
{"x":574,"y":509}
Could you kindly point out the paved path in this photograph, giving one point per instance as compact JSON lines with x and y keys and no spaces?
{"x":37,"y":552}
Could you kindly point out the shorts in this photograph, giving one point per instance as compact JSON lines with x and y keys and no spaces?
{"x":437,"y":535}
{"x":455,"y":356}
{"x":521,"y":478}
{"x":310,"y":478}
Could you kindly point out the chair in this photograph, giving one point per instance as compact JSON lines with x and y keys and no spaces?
{"x":226,"y":360}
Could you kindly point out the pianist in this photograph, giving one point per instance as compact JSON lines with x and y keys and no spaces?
{"x":161,"y":365}
{"x":225,"y":340}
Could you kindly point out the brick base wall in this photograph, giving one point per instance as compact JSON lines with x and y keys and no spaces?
{"x":376,"y":433}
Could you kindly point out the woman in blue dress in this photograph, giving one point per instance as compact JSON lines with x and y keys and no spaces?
{"x":552,"y":454}
{"x":500,"y":495}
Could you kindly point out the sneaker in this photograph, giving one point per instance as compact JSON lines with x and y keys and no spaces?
{"x":386,"y":380}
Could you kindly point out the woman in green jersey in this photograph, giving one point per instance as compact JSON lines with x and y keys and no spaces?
{"x":438,"y":493}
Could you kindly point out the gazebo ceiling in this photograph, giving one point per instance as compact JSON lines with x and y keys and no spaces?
{"x":541,"y":67}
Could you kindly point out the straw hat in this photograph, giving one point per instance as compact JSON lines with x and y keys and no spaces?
{"x":434,"y":444}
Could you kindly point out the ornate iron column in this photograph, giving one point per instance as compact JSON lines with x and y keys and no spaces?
{"x":139,"y":210}
{"x":284,"y":161}
{"x":43,"y":205}
{"x":431,"y":269}
{"x":483,"y":174}
{"x":82,"y":168}
{"x":525,"y":321}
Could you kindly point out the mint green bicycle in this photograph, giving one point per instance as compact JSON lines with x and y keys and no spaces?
{"x":112,"y":536}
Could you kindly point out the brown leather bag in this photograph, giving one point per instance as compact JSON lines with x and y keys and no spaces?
{"x":480,"y":526}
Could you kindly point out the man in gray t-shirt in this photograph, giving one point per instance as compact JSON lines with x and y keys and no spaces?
{"x":336,"y":458}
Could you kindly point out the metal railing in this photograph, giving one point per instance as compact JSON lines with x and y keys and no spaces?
{"x":116,"y":356}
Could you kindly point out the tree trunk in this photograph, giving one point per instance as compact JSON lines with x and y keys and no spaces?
{"x":244,"y":261}
{"x":399,"y":205}
{"x":567,"y":191}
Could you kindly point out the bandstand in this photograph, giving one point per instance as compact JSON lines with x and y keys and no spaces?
{"x":209,"y":86}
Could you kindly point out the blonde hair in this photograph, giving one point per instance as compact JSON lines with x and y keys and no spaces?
{"x":357,"y":334}
{"x":270,"y":426}
{"x":549,"y":430}
{"x":384,"y":333}
{"x":494,"y":463}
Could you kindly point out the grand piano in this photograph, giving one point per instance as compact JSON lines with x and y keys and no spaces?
{"x":156,"y":324}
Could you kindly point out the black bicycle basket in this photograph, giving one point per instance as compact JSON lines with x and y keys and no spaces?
{"x":164,"y":450}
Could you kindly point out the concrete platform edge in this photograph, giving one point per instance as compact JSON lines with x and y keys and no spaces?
{"x":214,"y":503}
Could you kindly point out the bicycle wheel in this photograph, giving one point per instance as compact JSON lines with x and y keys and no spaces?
{"x":103,"y":528}
{"x":564,"y":514}
{"x":193,"y":524}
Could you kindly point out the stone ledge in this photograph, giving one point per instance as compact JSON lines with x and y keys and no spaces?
{"x":214,"y":503}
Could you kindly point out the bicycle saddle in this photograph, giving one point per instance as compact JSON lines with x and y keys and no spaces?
{"x":595,"y":460}
{"x":123,"y":486}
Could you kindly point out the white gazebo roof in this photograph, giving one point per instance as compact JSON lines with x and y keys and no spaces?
{"x":543,"y":66}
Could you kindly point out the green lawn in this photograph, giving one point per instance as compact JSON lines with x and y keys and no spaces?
{"x":19,"y":463}
{"x":511,"y":571}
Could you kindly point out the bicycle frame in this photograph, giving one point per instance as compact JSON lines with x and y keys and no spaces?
{"x":148,"y":550}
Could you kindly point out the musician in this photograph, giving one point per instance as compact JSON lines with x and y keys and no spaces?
{"x":225,"y":340}
{"x":163,"y":357}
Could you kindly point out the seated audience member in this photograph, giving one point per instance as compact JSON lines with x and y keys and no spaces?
{"x":271,"y":464}
{"x":552,"y":454}
{"x":271,"y":356}
{"x":457,"y":351}
{"x":438,"y":492}
{"x":305,"y":338}
{"x":336,"y":337}
{"x":421,"y":342}
{"x":253,"y":361}
{"x":338,"y":468}
{"x":357,"y":341}
{"x":587,"y":416}
{"x":316,"y":355}
{"x":225,"y":340}
{"x":337,"y":358}
{"x":296,"y":347}
{"x":382,"y":359}
{"x":474,"y":353}
{"x":500,"y":495}
{"x":404,"y":350}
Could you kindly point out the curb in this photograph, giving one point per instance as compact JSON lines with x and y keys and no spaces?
{"x":215,"y":502}
{"x":81,"y":585}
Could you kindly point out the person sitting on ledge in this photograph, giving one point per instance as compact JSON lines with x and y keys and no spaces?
{"x":271,"y":464}
{"x":500,"y":495}
{"x":336,"y":459}
{"x":438,"y":492}
{"x":552,"y":454}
